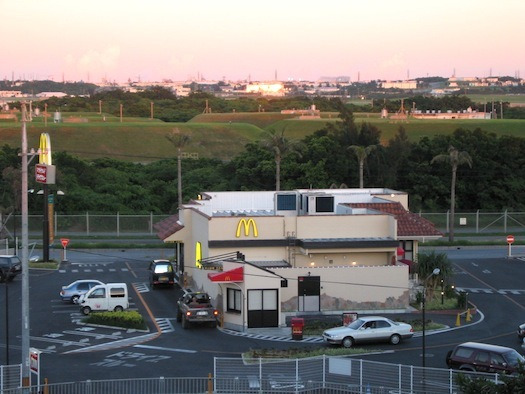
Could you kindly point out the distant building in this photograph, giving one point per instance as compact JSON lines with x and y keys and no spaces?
{"x":51,"y":94}
{"x":406,"y":85}
{"x":266,"y":88}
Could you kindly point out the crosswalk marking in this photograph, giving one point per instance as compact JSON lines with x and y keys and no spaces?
{"x":87,"y":270}
{"x":164,"y":324}
{"x":477,"y":290}
{"x":141,"y":287}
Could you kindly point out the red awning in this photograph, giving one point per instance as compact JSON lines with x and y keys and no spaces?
{"x":234,"y":275}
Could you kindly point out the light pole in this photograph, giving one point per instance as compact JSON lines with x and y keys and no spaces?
{"x":434,"y":272}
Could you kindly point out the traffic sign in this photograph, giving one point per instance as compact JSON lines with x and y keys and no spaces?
{"x":510,"y":239}
{"x":65,"y":242}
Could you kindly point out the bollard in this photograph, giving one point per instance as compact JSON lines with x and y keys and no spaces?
{"x":210,"y":383}
{"x":469,"y":316}
{"x":458,"y":320}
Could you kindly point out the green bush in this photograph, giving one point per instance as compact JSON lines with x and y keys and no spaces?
{"x":124,"y":319}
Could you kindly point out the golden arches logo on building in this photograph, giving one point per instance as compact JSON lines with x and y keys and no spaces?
{"x":44,"y":150}
{"x":247,"y":224}
{"x":198,"y":255}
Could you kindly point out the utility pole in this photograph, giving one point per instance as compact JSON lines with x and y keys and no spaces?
{"x":25,"y":261}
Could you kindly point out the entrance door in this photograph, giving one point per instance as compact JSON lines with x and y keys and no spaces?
{"x":262,"y":308}
{"x":309,"y":293}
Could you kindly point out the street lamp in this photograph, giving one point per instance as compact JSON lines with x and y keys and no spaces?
{"x":434,"y":272}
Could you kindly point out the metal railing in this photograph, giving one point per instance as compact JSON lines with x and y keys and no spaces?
{"x":321,"y":374}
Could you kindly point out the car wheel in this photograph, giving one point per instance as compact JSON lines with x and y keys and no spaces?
{"x":348,"y":342}
{"x":118,"y":308}
{"x":86,"y":310}
{"x":395,"y":339}
{"x":467,"y":368}
{"x":213,"y":324}
{"x":75,"y":298}
{"x":10,"y":278}
{"x":185,"y":322}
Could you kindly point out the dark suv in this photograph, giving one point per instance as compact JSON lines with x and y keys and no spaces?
{"x":10,"y":266}
{"x":482,"y":357}
{"x":161,"y":272}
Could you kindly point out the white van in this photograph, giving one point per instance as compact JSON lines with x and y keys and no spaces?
{"x":108,"y":297}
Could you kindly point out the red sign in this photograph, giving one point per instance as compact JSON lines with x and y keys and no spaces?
{"x":64,"y":241}
{"x":41,"y":173}
{"x":33,"y":361}
{"x":510,"y":239}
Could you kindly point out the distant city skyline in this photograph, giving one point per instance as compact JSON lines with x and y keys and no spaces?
{"x":236,"y":40}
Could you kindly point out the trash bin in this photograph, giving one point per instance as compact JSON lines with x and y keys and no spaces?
{"x":349,"y":317}
{"x":297,"y":328}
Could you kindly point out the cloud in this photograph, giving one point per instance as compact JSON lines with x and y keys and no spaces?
{"x":394,"y":67}
{"x":94,"y":62}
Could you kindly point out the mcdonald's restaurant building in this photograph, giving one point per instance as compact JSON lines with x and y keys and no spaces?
{"x":268,"y":255}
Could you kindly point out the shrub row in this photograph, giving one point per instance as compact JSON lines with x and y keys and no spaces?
{"x":124,"y":319}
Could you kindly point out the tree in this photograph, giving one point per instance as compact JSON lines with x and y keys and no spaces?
{"x":362,"y":152}
{"x":426,"y":263}
{"x":455,"y":158}
{"x":276,"y":142}
{"x":180,"y":141}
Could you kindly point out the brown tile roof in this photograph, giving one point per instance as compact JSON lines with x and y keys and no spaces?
{"x":168,"y":226}
{"x":408,"y":223}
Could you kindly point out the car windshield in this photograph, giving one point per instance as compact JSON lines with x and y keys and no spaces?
{"x":513,"y":357}
{"x":356,"y":324}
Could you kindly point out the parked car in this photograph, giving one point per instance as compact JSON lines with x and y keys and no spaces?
{"x":73,"y":291}
{"x":105,"y":297}
{"x":521,"y":332}
{"x":368,"y":329}
{"x":482,"y":357}
{"x":161,"y":272}
{"x":10,"y":267}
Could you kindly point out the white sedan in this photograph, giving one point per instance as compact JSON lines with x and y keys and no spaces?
{"x":369,"y":329}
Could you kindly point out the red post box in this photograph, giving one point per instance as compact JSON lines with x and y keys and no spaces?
{"x":297,"y":328}
{"x":349,"y":317}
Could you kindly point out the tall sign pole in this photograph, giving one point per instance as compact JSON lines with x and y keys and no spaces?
{"x":25,"y":260}
{"x":45,"y":174}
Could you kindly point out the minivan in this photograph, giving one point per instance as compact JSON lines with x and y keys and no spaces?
{"x":482,"y":357}
{"x":105,"y":297}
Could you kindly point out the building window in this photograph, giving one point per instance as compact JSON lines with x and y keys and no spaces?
{"x":234,"y":301}
{"x":286,"y":202}
{"x":408,"y":247}
{"x":324,"y":204}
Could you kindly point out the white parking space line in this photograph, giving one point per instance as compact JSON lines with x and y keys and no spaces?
{"x":165,"y":349}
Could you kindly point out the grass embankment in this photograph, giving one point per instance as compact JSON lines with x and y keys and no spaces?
{"x":221,"y":136}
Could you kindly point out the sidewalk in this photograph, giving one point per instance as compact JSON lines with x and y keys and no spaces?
{"x":448,"y":318}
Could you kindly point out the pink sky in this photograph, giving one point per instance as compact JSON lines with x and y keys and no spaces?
{"x":175,"y":39}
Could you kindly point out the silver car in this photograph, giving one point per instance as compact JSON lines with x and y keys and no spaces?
{"x":368,"y":329}
{"x":73,"y":291}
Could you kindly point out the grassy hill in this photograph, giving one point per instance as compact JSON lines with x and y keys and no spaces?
{"x":219,"y":136}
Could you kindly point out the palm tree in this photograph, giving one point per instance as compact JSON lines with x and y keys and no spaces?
{"x":455,"y":158}
{"x":180,"y":140}
{"x":362,"y":152}
{"x":279,"y":145}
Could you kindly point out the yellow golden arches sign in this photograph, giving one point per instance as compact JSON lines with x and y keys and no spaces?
{"x":44,"y":150}
{"x":247,"y":224}
{"x":198,"y":255}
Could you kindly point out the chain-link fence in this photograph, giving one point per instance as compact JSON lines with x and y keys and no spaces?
{"x":477,"y":222}
{"x":85,"y":224}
